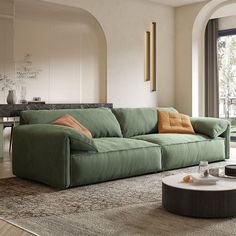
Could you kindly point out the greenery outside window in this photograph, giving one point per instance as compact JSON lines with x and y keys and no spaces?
{"x":227,"y":72}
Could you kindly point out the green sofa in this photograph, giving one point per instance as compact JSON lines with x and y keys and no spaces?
{"x":125,"y":143}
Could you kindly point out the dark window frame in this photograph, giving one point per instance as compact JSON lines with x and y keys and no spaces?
{"x":227,"y":32}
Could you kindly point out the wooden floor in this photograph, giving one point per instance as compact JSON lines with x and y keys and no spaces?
{"x":7,"y":229}
{"x":5,"y":166}
{"x":5,"y":162}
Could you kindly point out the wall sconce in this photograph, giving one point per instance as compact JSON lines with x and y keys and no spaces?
{"x":150,"y":57}
{"x":147,"y":57}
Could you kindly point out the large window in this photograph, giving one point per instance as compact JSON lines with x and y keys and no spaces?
{"x":227,"y":72}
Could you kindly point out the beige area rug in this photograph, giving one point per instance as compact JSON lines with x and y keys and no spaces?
{"x":123,"y":207}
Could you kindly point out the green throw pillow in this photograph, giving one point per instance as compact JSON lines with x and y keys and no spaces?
{"x":212,"y":127}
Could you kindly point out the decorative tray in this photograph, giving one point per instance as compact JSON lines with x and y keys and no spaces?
{"x":220,"y":172}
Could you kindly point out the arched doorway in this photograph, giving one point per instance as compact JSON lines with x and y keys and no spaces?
{"x":67,"y":48}
{"x":198,"y":53}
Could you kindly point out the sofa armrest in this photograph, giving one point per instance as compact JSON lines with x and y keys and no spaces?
{"x":42,"y":152}
{"x":213,"y":127}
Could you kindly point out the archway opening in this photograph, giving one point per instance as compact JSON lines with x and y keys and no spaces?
{"x":210,"y":10}
{"x":59,"y":53}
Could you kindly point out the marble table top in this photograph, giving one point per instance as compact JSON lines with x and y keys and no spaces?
{"x":176,"y":181}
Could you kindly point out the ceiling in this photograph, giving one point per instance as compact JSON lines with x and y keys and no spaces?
{"x":177,"y":3}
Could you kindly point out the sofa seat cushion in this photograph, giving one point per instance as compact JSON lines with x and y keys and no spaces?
{"x":117,"y":158}
{"x":119,"y":144}
{"x":181,"y":150}
{"x":172,"y":139}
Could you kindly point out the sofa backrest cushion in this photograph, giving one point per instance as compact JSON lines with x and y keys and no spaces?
{"x":139,"y":121}
{"x":136,"y":121}
{"x":167,"y":109}
{"x":100,"y":121}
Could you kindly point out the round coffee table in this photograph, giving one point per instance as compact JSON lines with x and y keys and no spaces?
{"x":206,"y":201}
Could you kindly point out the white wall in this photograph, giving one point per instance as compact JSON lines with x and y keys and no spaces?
{"x":124,"y":24}
{"x":227,"y":23}
{"x":6,"y":42}
{"x":226,"y":10}
{"x":184,"y":20}
{"x":67,"y":45}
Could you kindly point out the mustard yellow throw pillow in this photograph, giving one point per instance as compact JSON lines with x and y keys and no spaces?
{"x":173,"y":122}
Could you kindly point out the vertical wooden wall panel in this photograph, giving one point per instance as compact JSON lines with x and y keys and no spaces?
{"x":147,"y":56}
{"x":153,"y":58}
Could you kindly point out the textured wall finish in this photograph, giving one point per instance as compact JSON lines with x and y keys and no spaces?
{"x":6,"y":43}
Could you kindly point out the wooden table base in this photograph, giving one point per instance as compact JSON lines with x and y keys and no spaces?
{"x":202,"y":204}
